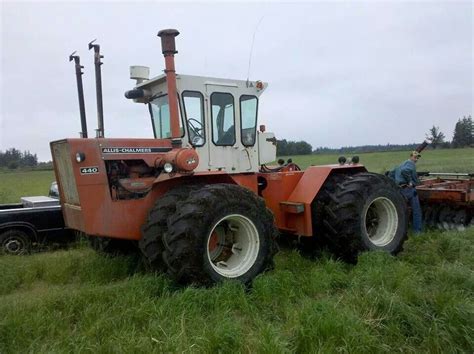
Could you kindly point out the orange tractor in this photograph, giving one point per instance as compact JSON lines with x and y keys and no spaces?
{"x":199,"y":199}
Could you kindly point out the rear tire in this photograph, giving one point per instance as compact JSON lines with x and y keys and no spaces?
{"x":15,"y":242}
{"x":151,"y":243}
{"x":220,"y":232}
{"x":362,"y":212}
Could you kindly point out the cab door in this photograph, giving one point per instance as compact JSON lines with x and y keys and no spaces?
{"x":224,"y":128}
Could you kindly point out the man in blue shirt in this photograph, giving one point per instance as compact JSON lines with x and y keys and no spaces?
{"x":407,"y":179}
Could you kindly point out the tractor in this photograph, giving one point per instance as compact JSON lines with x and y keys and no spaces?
{"x":200,"y":199}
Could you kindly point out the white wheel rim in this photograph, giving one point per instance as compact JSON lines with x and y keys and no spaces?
{"x":233,"y":245}
{"x":381,"y":221}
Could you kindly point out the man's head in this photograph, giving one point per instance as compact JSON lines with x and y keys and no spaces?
{"x":414,"y":156}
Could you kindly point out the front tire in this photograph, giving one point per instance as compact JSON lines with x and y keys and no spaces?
{"x":15,"y":242}
{"x":363,"y":212}
{"x":220,"y":232}
{"x":151,"y":243}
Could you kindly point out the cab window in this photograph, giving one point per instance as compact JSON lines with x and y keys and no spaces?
{"x":194,"y":114}
{"x":160,"y":118}
{"x":248,"y":119}
{"x":223,"y":120}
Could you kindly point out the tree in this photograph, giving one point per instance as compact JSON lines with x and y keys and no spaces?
{"x":13,"y":165}
{"x":289,"y":148}
{"x":14,"y":158}
{"x":435,"y":137}
{"x":463,"y":132}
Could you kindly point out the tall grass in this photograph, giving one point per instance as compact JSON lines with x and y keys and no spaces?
{"x":72,"y":301}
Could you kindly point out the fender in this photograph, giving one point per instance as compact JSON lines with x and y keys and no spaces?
{"x":290,"y":195}
{"x":19,"y":224}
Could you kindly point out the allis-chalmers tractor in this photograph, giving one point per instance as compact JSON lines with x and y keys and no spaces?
{"x":199,"y":198}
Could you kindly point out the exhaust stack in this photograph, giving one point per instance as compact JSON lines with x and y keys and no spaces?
{"x":98,"y":88}
{"x":168,"y":48}
{"x":80,"y":92}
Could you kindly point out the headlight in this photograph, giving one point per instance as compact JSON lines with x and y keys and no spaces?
{"x":168,"y":167}
{"x":355,"y":159}
{"x":80,"y":156}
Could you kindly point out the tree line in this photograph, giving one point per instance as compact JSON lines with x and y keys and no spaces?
{"x":463,"y":136}
{"x":288,"y":148}
{"x":463,"y":133}
{"x":14,"y":158}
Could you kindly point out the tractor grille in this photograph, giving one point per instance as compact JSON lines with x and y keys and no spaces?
{"x":63,"y":162}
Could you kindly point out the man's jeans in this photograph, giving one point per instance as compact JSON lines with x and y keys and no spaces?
{"x":410,"y":194}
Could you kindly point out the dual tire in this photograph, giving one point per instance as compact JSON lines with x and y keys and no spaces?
{"x":360,"y":212}
{"x":207,"y":234}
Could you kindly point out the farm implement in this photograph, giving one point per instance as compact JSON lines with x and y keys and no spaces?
{"x":198,"y":199}
{"x":447,"y":200}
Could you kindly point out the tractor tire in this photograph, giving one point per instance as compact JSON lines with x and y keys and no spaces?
{"x":151,"y":243}
{"x":111,"y":247}
{"x":220,"y":232}
{"x":362,"y":212}
{"x":15,"y":242}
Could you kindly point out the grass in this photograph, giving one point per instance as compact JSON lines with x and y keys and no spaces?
{"x":77,"y":301}
{"x":14,"y":185}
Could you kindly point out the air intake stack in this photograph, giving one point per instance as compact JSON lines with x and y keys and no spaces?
{"x":168,"y":48}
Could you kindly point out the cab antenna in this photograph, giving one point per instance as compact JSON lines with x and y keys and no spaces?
{"x":251,"y":48}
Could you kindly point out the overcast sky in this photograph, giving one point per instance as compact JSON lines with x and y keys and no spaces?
{"x":339,"y":73}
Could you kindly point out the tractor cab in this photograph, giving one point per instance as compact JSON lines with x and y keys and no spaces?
{"x":217,"y":117}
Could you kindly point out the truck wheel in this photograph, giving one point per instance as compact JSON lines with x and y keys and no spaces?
{"x":220,"y":232}
{"x":15,"y":242}
{"x":151,"y":243}
{"x":362,"y":212}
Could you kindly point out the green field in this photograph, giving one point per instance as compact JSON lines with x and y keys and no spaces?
{"x":14,"y":185}
{"x":445,"y":160}
{"x":78,"y":301}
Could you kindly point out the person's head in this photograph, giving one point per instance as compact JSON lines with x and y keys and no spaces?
{"x":414,"y":156}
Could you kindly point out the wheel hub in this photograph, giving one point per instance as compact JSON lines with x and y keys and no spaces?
{"x":233,"y":245}
{"x":13,"y":246}
{"x":381,"y":220}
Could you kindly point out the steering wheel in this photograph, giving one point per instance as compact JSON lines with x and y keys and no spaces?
{"x":196,"y":127}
